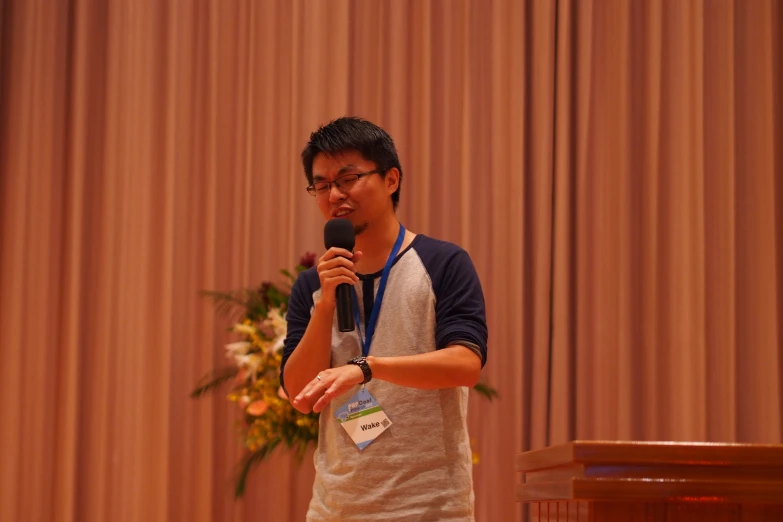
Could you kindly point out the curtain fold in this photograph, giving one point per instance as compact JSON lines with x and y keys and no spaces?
{"x":613,"y":168}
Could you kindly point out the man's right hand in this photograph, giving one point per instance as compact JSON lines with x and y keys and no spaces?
{"x":336,"y":267}
{"x":313,"y":354}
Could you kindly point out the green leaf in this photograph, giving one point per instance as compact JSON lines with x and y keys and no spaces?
{"x":213,"y":380}
{"x":486,"y":391}
{"x":238,"y":304}
{"x":227,"y":304}
{"x":255,"y":304}
{"x":276,"y":297}
{"x":301,"y":449}
{"x":249,"y":462}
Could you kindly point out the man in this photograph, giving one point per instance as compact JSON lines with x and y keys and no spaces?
{"x":420,"y":323}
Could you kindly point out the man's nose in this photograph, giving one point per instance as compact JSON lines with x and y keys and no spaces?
{"x":335,"y":194}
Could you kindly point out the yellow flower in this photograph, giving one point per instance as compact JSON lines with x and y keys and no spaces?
{"x":475,"y":457}
{"x":246,"y":328}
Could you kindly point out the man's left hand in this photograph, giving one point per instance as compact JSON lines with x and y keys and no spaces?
{"x":327,"y":385}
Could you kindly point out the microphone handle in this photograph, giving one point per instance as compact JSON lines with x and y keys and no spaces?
{"x":345,"y":322}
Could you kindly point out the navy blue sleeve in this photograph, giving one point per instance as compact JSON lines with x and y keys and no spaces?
{"x":460,"y":311}
{"x":300,"y":303}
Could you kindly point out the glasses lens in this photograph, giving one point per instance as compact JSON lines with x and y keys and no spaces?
{"x":343,"y":184}
{"x":346,"y":182}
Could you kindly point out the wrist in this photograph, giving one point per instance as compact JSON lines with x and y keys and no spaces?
{"x":362,"y":363}
{"x":373,"y":363}
{"x":380,"y":367}
{"x":326,"y":309}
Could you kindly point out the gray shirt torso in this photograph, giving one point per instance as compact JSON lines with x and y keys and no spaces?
{"x":420,"y":468}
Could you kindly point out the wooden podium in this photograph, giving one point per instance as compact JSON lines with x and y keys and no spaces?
{"x":597,"y":481}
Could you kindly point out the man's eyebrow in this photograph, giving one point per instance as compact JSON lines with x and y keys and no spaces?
{"x":343,"y":170}
{"x":346,"y":169}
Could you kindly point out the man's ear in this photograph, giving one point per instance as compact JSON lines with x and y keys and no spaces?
{"x":392,"y":179}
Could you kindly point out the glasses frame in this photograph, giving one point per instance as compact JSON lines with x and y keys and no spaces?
{"x":336,"y":182}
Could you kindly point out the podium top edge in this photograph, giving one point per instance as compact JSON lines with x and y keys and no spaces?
{"x":597,"y":452}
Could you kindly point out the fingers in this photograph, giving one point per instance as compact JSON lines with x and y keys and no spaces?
{"x":301,"y":406}
{"x":336,"y":255}
{"x":321,"y":403}
{"x":327,"y":385}
{"x":337,"y":388}
{"x":336,"y":267}
{"x":343,"y":274}
{"x":311,"y":392}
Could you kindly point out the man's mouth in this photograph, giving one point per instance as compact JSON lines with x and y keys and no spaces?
{"x":342,"y":212}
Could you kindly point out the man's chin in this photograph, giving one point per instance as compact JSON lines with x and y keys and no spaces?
{"x":360,"y":229}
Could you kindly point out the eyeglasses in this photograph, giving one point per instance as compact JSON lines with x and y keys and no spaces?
{"x":343,"y":183}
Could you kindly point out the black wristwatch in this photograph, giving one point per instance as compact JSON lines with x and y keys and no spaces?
{"x":361,"y":362}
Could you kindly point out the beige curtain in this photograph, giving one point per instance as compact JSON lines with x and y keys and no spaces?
{"x":613,"y":167}
{"x":667,"y":292}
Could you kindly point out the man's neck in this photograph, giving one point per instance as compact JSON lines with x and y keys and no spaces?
{"x":376,"y":243}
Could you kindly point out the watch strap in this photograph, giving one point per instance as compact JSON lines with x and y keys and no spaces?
{"x":361,"y":362}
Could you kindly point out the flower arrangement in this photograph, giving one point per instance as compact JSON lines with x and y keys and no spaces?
{"x":253,"y":374}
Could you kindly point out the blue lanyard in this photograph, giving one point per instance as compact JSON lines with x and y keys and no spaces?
{"x":376,"y":307}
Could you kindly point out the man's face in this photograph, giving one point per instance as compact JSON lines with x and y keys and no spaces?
{"x":363,"y":200}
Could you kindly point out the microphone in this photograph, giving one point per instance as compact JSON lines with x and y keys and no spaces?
{"x":339,"y":233}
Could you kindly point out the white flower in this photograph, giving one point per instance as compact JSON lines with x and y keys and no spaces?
{"x":238,"y":348}
{"x":249,"y":362}
{"x":276,"y":321}
{"x":276,"y":344}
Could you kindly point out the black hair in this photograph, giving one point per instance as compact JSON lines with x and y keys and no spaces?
{"x":352,"y":133}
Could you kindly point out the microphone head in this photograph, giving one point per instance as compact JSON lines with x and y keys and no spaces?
{"x":338,"y":232}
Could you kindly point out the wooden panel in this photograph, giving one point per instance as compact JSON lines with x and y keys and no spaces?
{"x":654,"y":489}
{"x":651,"y":471}
{"x":646,"y":471}
{"x":584,"y":511}
{"x":687,"y":453}
{"x":560,"y":512}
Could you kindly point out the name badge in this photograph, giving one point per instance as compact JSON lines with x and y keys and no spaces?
{"x":362,"y":418}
